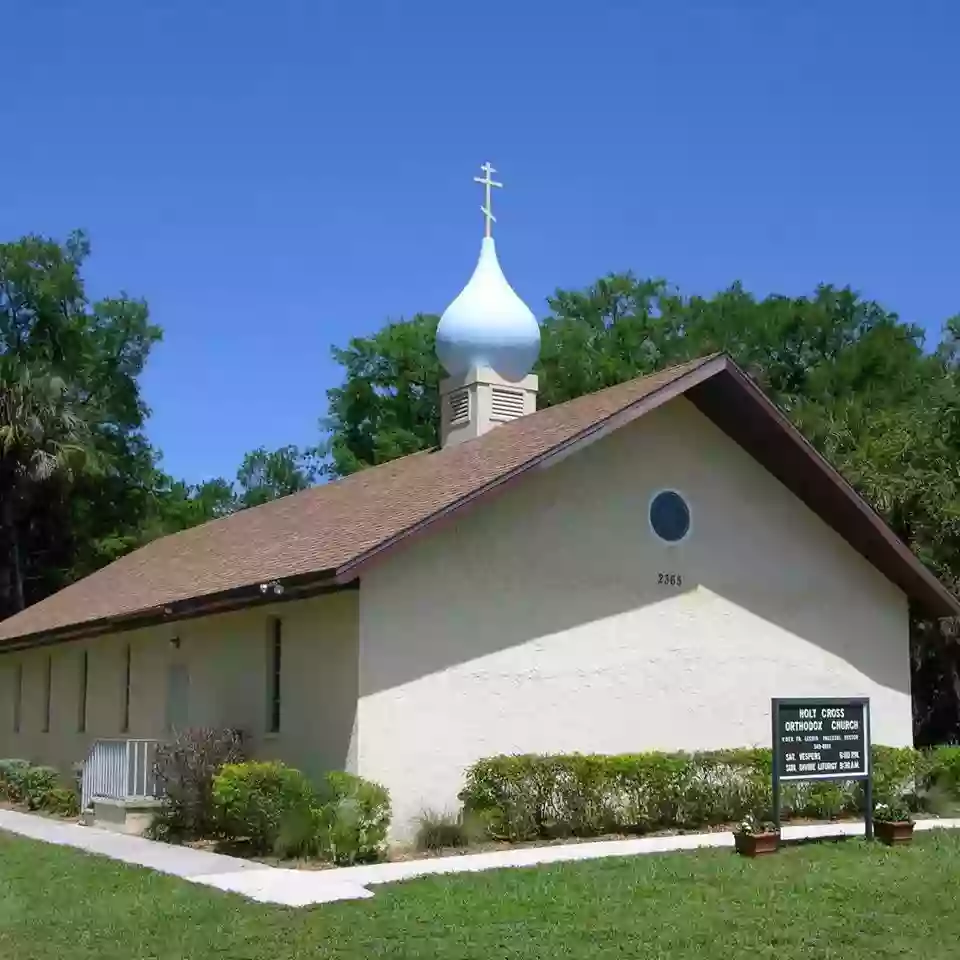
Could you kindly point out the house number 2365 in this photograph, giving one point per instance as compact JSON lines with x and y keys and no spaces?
{"x":670,"y":579}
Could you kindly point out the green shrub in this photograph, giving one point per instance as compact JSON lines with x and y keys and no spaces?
{"x":897,"y":773}
{"x":36,"y":784}
{"x":506,"y":795}
{"x":442,"y":831}
{"x":300,"y":832}
{"x":62,"y":801}
{"x":269,"y":805}
{"x":353,"y":816}
{"x":724,"y":786}
{"x":38,"y":788}
{"x":526,"y":797}
{"x":943,"y":769}
{"x":12,"y":773}
{"x":185,"y":770}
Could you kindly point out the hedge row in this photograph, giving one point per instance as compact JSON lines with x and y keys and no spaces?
{"x":37,"y":788}
{"x":528,"y":797}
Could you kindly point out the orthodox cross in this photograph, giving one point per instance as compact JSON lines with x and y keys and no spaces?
{"x":487,"y":208}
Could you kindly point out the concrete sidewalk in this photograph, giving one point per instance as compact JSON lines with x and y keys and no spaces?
{"x":164,"y":857}
{"x":298,"y":888}
{"x":266,"y":884}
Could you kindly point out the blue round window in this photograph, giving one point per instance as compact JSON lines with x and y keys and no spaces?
{"x":669,"y":516}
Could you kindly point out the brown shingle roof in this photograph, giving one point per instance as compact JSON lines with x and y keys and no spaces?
{"x":327,"y":531}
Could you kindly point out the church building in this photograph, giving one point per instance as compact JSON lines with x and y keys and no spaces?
{"x":642,"y":568}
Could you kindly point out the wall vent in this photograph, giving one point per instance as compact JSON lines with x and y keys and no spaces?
{"x":459,"y":407}
{"x":506,"y":404}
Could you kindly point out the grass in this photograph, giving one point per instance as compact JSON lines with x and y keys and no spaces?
{"x":834,"y":900}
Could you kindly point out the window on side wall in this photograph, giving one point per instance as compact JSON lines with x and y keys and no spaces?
{"x":17,"y":698}
{"x":47,"y":691}
{"x":82,"y":694}
{"x":125,"y":692}
{"x":274,"y":658}
{"x":669,"y":515}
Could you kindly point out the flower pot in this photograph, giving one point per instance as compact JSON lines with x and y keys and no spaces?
{"x":893,"y":832}
{"x":756,"y":844}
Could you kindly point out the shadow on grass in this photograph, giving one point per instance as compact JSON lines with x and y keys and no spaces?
{"x":815,"y":841}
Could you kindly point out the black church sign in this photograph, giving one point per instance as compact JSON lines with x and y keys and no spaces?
{"x":822,"y":740}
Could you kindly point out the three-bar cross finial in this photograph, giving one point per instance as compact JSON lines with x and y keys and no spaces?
{"x":487,"y":208}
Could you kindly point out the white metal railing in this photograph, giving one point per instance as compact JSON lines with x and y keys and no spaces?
{"x":119,"y":770}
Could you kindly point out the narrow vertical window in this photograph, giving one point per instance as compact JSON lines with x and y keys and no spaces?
{"x":47,"y":685}
{"x":178,"y":697}
{"x":82,"y":699}
{"x":275,"y":650}
{"x":125,"y":701}
{"x":17,"y":698}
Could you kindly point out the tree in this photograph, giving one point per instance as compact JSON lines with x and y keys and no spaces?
{"x":171,"y":505}
{"x":265,"y":476}
{"x":69,"y":379}
{"x":388,"y":405}
{"x":42,"y":438}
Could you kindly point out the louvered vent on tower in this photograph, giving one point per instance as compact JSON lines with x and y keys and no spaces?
{"x":506,"y":404}
{"x":481,"y":400}
{"x":459,"y":407}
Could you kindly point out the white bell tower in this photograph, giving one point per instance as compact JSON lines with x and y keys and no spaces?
{"x":487,"y":340}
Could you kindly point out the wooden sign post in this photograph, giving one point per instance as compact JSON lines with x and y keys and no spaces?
{"x":822,"y":740}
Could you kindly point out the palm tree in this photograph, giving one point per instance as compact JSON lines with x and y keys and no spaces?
{"x":44,"y":435}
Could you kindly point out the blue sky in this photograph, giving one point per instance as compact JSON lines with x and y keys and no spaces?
{"x":277,"y":177}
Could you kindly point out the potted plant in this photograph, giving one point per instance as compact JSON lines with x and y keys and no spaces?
{"x":756,"y":838}
{"x":893,"y":823}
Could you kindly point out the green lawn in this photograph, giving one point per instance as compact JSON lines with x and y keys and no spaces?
{"x":845,"y":900}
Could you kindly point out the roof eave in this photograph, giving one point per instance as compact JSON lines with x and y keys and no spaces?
{"x":250,"y":595}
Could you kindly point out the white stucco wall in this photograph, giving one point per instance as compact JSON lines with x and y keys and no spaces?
{"x":536,"y":623}
{"x":226,"y":657}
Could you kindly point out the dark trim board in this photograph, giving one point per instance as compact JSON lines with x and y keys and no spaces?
{"x":242,"y":599}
